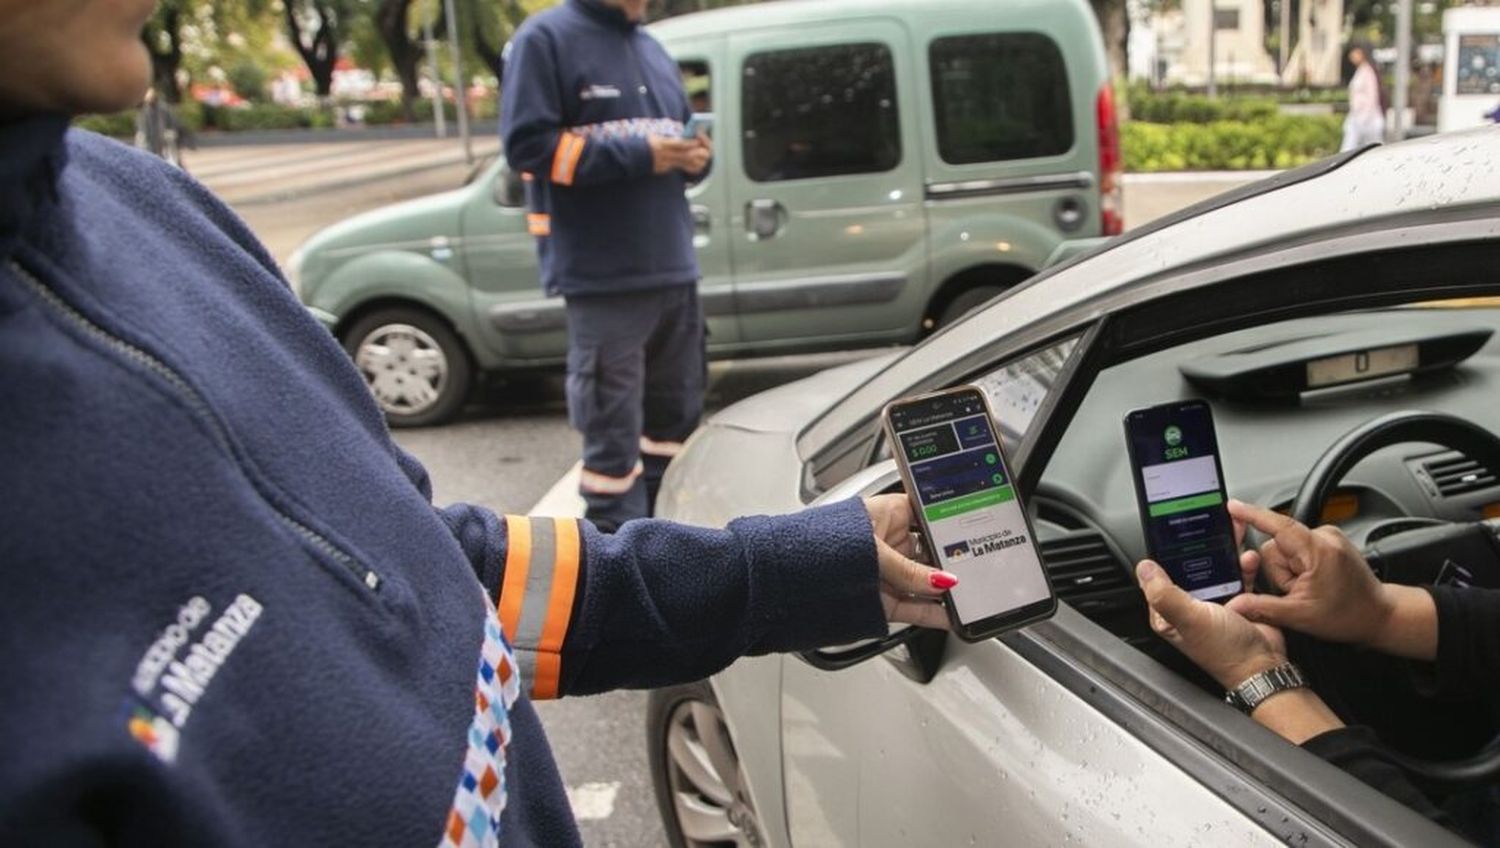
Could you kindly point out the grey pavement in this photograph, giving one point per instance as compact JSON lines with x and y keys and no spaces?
{"x":513,"y":443}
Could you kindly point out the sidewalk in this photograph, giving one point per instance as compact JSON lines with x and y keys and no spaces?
{"x":259,"y":174}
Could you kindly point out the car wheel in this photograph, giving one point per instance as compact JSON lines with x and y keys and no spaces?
{"x":965,"y":302}
{"x":414,"y":364}
{"x":700,"y":785}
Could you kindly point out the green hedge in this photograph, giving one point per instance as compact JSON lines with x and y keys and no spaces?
{"x":266,"y":116}
{"x":119,"y":125}
{"x":389,"y":111}
{"x":122,"y":124}
{"x":1278,"y":142}
{"x":270,"y":116}
{"x":1175,"y":107}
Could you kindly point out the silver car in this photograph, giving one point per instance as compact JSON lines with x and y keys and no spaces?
{"x":1309,"y":310}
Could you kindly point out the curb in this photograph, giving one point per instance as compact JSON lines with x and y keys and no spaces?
{"x":1148,"y":178}
{"x":335,"y":185}
{"x":394,"y":132}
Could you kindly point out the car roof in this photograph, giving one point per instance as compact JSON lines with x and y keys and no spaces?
{"x":782,"y":13}
{"x":1433,"y":177}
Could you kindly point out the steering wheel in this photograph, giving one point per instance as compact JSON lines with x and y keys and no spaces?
{"x":1422,"y":556}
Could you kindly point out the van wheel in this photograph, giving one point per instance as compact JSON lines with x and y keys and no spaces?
{"x":414,"y":364}
{"x":965,"y":302}
{"x":700,"y":785}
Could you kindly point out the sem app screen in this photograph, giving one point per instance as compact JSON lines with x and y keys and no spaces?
{"x":975,"y":526}
{"x":1174,"y":455}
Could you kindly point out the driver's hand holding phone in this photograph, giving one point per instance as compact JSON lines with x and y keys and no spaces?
{"x":1193,"y":533}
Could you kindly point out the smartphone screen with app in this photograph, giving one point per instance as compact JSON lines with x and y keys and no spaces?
{"x":1179,"y":485}
{"x":970,"y":512}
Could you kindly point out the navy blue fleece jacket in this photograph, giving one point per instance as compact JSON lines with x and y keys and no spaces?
{"x":230,"y":614}
{"x":583,"y":90}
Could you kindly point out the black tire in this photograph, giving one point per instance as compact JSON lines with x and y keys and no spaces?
{"x":674,"y":705}
{"x":427,"y":373}
{"x":965,"y":302}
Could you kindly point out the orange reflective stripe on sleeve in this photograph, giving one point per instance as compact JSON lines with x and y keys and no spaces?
{"x":565,"y":159}
{"x":513,"y":584}
{"x":559,"y":609}
{"x":539,"y":224}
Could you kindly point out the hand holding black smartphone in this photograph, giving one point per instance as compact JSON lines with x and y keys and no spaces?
{"x":970,"y":512}
{"x":1179,"y":486}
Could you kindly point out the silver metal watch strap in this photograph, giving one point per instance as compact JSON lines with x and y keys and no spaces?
{"x":1249,"y":695}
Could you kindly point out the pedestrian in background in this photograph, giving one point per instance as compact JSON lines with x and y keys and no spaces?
{"x":1365,"y":123}
{"x":157,"y":129}
{"x":593,"y":109}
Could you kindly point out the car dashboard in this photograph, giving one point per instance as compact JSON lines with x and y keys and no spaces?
{"x":1085,"y":508}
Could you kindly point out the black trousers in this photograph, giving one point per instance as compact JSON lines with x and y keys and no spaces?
{"x":636,"y":374}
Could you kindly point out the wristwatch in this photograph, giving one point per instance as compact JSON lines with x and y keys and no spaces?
{"x":1249,"y":695}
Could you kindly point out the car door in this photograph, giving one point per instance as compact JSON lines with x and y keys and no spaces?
{"x":991,"y":734}
{"x":826,"y":191}
{"x":500,"y":264}
{"x":699,"y":61}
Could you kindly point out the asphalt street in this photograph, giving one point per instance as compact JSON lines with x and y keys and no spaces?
{"x":513,"y":443}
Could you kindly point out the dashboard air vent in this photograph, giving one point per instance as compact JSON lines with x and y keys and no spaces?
{"x":1085,"y":572}
{"x":1455,"y":474}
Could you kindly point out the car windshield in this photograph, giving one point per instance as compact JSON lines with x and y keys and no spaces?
{"x":1017,"y":389}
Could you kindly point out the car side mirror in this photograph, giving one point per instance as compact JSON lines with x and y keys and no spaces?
{"x":509,"y":190}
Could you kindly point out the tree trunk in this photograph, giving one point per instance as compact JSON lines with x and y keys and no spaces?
{"x":165,"y":61}
{"x":487,"y":53}
{"x":494,"y":56}
{"x":406,"y":54}
{"x":1115,"y":27}
{"x":1114,"y":23}
{"x":322,"y":55}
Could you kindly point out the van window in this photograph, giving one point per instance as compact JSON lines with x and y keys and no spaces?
{"x":696,"y":82}
{"x":1000,"y":96}
{"x":820,"y":112}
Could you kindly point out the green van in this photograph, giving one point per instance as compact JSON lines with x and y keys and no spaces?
{"x":881,"y":167}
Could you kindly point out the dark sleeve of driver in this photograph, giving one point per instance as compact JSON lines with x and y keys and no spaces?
{"x":1358,"y":752}
{"x":1468,"y":654}
{"x":658,"y":603}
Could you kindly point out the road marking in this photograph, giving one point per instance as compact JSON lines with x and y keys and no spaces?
{"x":562,"y":500}
{"x":593,"y":801}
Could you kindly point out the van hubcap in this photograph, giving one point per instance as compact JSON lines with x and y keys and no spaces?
{"x":708,"y":786}
{"x":404,"y":366}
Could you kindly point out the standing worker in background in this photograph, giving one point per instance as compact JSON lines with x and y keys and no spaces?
{"x":1365,"y":123}
{"x":593,"y":109}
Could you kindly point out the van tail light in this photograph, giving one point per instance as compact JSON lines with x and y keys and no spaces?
{"x":1111,"y":164}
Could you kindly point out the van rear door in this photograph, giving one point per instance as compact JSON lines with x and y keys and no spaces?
{"x":825,"y":184}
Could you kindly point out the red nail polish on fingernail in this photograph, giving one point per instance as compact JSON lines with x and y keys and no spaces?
{"x":942,"y":580}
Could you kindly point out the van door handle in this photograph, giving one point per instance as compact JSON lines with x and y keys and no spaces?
{"x":702,"y":219}
{"x":764,"y":218}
